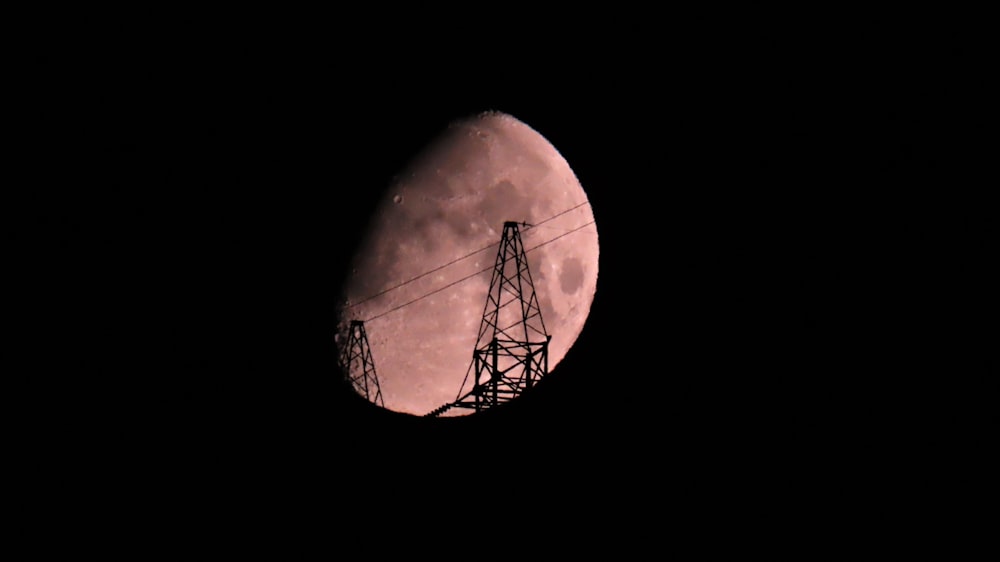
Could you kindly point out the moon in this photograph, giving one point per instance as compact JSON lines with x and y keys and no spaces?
{"x":420,"y":277}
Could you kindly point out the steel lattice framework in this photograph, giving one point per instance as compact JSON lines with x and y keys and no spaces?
{"x":511,"y":352}
{"x":359,"y":365}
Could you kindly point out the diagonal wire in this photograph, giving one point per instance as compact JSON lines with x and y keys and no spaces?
{"x":435,"y":291}
{"x":424,"y":274}
{"x":560,"y":214}
{"x":471,"y":275}
{"x":454,"y":261}
{"x":568,"y":232}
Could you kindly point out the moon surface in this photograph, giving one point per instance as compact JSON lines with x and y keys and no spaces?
{"x":420,"y":278}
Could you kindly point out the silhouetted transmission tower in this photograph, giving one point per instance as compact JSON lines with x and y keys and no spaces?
{"x":511,"y":352}
{"x":359,"y":366}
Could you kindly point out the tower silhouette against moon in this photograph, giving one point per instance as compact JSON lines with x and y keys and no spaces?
{"x":512,"y":351}
{"x":359,"y":365}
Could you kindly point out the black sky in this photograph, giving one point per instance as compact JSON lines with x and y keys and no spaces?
{"x":793,"y":246}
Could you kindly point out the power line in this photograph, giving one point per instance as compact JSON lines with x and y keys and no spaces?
{"x":470,"y":276}
{"x":560,"y":214}
{"x":452,"y":262}
{"x":560,"y":236}
{"x":435,"y":291}
{"x":424,"y":274}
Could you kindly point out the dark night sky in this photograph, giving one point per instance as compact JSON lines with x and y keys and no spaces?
{"x":777,"y":219}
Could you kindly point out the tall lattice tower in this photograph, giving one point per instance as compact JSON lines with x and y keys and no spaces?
{"x":359,"y":366}
{"x":511,"y":352}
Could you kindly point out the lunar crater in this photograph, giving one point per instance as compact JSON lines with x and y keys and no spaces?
{"x":571,"y":275}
